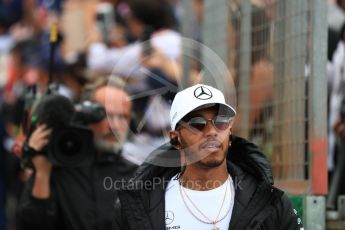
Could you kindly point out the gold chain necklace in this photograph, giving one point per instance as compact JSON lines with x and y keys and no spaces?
{"x":213,"y":222}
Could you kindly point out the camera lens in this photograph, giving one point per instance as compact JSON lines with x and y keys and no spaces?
{"x":69,"y":144}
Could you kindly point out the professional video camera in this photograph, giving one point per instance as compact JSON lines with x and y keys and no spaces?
{"x":71,"y":142}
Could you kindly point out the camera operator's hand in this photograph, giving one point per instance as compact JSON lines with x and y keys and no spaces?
{"x":43,"y":167}
{"x":39,"y":138}
{"x":339,"y":129}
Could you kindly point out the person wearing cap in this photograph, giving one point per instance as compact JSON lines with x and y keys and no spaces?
{"x":205,"y":178}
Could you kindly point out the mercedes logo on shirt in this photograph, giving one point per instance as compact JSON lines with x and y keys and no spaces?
{"x":169,"y":217}
{"x":202,"y":93}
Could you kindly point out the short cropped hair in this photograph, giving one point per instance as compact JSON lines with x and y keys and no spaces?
{"x":113,"y":81}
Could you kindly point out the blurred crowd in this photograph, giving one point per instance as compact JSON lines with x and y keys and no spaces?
{"x":111,"y":47}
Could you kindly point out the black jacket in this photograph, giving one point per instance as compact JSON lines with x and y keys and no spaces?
{"x":258,"y":205}
{"x":81,"y":198}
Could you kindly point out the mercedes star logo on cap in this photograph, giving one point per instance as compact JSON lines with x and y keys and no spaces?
{"x":202,"y":93}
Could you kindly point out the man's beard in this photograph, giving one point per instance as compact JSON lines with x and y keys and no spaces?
{"x":211,"y":163}
{"x":106,"y":146}
{"x":201,"y":159}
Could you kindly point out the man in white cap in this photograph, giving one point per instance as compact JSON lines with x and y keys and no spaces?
{"x":220,"y":181}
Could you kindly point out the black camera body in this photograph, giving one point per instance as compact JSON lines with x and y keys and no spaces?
{"x":71,"y":142}
{"x":71,"y":146}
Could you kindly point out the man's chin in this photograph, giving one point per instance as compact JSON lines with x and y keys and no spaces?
{"x":206,"y":157}
{"x":107,"y":146}
{"x":208,"y":162}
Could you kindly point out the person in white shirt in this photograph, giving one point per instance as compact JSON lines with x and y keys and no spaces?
{"x":205,"y":178}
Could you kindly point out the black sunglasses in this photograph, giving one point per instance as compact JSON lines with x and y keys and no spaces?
{"x":220,"y":122}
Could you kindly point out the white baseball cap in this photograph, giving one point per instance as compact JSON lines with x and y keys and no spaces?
{"x":194,"y":97}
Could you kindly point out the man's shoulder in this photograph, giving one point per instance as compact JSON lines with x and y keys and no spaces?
{"x":117,"y":164}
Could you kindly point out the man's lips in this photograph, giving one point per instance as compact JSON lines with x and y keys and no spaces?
{"x":109,"y":137}
{"x":211,"y":146}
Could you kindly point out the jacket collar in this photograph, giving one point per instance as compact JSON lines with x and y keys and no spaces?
{"x":242,"y":153}
{"x":248,"y":166}
{"x":250,"y":198}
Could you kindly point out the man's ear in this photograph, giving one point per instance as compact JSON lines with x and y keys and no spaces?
{"x":174,"y":141}
{"x":230,"y":138}
{"x":230,"y":135}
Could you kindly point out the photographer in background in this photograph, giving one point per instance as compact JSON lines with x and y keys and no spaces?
{"x":74,"y":198}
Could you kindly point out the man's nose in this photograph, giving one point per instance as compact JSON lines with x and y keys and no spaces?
{"x":210,"y":130}
{"x":114,"y":122}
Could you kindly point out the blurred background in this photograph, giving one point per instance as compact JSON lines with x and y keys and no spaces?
{"x":285,"y":58}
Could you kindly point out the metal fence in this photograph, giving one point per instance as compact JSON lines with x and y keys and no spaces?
{"x":276,"y":52}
